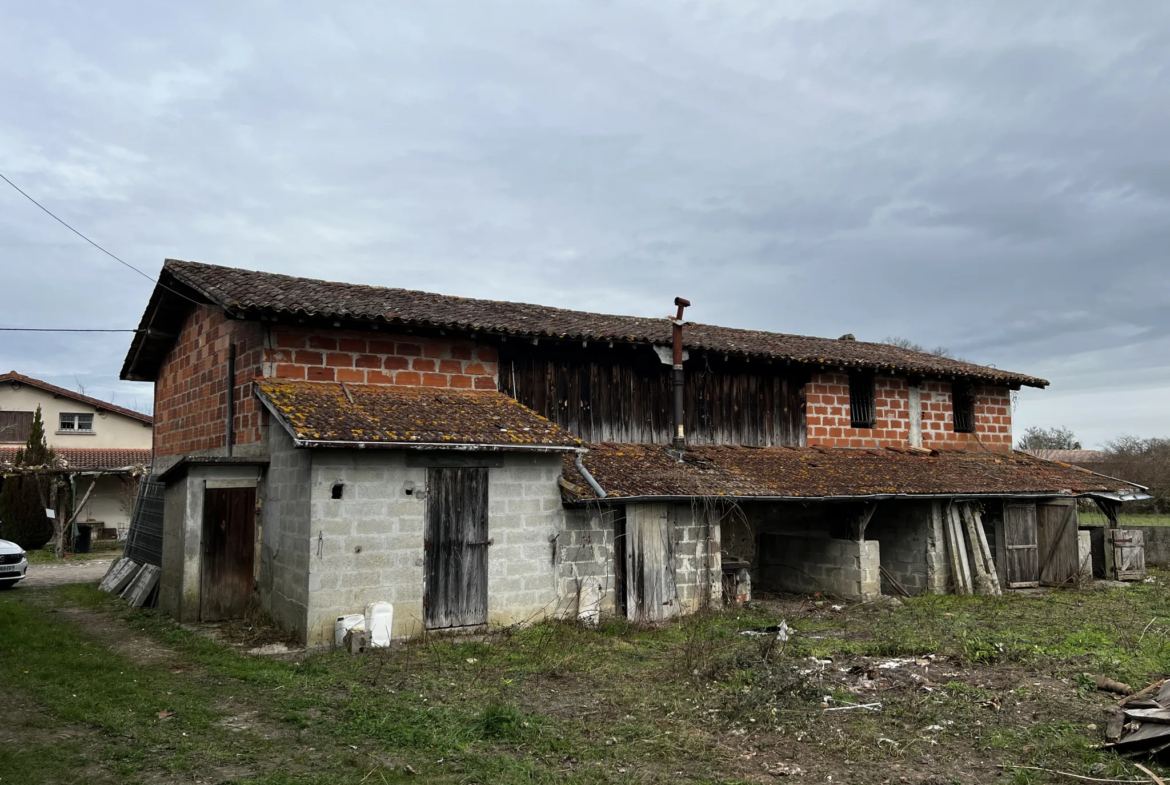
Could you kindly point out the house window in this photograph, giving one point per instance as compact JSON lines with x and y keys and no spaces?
{"x":963,"y":407}
{"x":15,"y":426}
{"x":77,"y":423}
{"x":862,"y":409}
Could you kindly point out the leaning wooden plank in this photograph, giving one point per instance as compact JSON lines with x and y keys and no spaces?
{"x":961,"y":548}
{"x":979,"y":567}
{"x":143,"y":586}
{"x":953,"y":553}
{"x":985,"y":551}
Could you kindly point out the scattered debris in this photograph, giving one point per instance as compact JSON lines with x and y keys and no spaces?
{"x":166,"y":714}
{"x":1106,"y":684}
{"x":1141,"y":723}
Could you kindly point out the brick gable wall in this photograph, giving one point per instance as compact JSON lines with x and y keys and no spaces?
{"x":362,"y":358}
{"x":828,"y":418}
{"x":190,"y":393}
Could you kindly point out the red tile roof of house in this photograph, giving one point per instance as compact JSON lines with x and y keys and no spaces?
{"x":246,"y":292}
{"x":646,"y":470}
{"x":327,"y":414}
{"x":13,"y":376}
{"x":85,"y":459}
{"x":1076,"y":457}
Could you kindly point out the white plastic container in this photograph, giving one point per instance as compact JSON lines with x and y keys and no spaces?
{"x":344,"y":624}
{"x":379,"y":620}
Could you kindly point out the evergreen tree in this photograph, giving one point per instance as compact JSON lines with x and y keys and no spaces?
{"x":24,"y":497}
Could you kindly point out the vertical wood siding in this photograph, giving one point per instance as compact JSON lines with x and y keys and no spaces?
{"x":229,"y":547}
{"x":456,"y":547}
{"x":622,"y":397}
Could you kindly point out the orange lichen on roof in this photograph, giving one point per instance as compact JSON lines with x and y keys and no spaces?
{"x":323,"y":412}
{"x":627,"y":470}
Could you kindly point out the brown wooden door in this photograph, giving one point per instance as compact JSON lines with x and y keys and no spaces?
{"x":456,"y":548}
{"x":651,"y":593}
{"x":229,"y":549}
{"x":1056,"y":537}
{"x":1020,"y":545}
{"x":1129,"y":554}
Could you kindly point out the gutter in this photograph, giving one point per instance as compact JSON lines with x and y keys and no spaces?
{"x":580,"y":464}
{"x":876,"y":497}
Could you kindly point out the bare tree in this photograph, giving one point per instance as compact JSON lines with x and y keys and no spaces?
{"x":1146,"y":462}
{"x":906,"y":343}
{"x":1036,"y":438}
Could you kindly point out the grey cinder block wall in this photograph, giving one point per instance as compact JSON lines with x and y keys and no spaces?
{"x":913,"y":546}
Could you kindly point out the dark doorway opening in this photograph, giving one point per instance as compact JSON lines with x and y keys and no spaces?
{"x":229,"y":550}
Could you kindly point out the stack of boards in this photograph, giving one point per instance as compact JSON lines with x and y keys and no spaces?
{"x":972,"y":565}
{"x":136,"y":583}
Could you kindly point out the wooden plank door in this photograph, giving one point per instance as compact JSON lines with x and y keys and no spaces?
{"x":1129,"y":554}
{"x":651,"y":593}
{"x":456,"y":548}
{"x":1020,"y":546}
{"x":229,"y":551}
{"x":1056,"y":538}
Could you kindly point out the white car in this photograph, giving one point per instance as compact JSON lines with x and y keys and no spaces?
{"x":13,"y":564}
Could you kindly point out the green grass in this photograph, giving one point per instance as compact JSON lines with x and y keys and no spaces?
{"x":1099,"y":519}
{"x":100,"y":549}
{"x":690,"y":701}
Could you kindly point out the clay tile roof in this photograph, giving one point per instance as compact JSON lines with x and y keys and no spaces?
{"x":256,"y":293}
{"x":13,"y":376}
{"x":628,"y":470}
{"x":86,"y":459}
{"x":1076,"y":457}
{"x":322,"y":414}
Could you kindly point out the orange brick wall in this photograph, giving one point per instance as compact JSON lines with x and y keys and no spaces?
{"x":190,"y":393}
{"x":828,"y":419}
{"x":362,"y":358}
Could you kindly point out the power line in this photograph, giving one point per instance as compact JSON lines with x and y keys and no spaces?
{"x":91,"y":242}
{"x":61,"y":330}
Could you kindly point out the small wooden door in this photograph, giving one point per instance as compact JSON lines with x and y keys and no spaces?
{"x":651,"y":593}
{"x":1020,"y":546}
{"x":1129,"y":554}
{"x":456,"y":548}
{"x":229,"y":550}
{"x":1056,"y":537}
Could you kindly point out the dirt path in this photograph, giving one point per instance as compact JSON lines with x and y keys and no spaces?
{"x":59,"y":574}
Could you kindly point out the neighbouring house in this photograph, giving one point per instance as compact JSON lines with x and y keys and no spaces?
{"x":96,"y":443}
{"x":1086,"y":459}
{"x":324,"y":445}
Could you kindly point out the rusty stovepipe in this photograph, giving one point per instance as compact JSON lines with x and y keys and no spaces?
{"x":680,"y":441}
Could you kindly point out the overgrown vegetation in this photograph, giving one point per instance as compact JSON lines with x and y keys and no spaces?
{"x":958,"y":689}
{"x":24,"y":497}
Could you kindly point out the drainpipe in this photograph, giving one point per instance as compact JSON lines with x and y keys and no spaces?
{"x":680,"y":440}
{"x":230,"y":409}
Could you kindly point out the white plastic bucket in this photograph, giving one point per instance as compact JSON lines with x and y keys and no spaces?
{"x":344,"y":624}
{"x":379,"y":620}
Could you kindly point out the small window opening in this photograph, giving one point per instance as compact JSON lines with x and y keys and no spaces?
{"x":338,"y":489}
{"x":963,"y":407}
{"x":862,"y":408}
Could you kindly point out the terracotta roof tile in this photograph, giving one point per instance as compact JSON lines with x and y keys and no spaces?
{"x":97,"y":403}
{"x":271,"y":293}
{"x":371,"y":414}
{"x":625,"y":470}
{"x":86,"y":459}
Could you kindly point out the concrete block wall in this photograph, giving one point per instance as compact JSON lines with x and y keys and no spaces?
{"x":840,"y":568}
{"x":283,"y":574}
{"x":585,"y":552}
{"x":913,"y":546}
{"x":368,"y":545}
{"x":697,"y":553}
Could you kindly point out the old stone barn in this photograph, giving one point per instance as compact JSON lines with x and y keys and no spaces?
{"x":324,"y":445}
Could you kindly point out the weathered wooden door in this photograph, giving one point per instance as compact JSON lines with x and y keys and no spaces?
{"x":650,"y":582}
{"x":229,"y":550}
{"x":456,"y":548}
{"x":1020,"y":546}
{"x":1129,"y":554}
{"x":1056,"y":537}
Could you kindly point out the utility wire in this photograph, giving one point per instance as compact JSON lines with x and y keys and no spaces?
{"x":91,"y":242}
{"x":61,"y":330}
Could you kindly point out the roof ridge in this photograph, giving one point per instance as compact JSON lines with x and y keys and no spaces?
{"x":13,"y":376}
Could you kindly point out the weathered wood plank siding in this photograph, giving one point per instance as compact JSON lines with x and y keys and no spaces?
{"x":617,"y":395}
{"x":456,"y":547}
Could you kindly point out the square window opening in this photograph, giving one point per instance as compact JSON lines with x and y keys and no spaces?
{"x":963,"y":407}
{"x":862,"y":400}
{"x":76,"y":422}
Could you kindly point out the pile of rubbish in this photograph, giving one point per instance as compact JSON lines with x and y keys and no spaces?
{"x":1140,"y":724}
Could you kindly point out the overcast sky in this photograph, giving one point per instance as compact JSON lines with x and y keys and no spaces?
{"x":989,"y":176}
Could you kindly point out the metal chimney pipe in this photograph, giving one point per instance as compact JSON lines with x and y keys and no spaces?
{"x":680,"y":439}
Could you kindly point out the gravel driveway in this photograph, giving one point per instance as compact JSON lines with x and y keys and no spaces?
{"x":58,"y":574}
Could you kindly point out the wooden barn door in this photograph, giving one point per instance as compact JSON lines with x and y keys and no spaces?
{"x":649,"y":570}
{"x":229,"y":549}
{"x":456,"y":548}
{"x":1129,"y":554}
{"x":1056,"y":536}
{"x":1020,"y":546}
